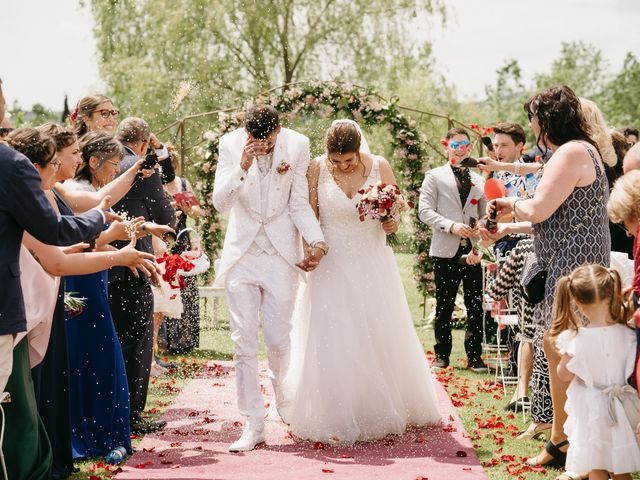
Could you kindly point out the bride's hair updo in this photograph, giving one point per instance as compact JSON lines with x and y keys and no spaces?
{"x":343,"y":137}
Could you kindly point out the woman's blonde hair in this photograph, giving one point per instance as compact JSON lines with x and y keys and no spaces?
{"x":624,"y":199}
{"x":599,"y":131}
{"x":588,"y":284}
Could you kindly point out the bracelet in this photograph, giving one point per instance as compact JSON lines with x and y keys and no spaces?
{"x":144,"y":227}
{"x":513,"y":206}
{"x":516,"y":168}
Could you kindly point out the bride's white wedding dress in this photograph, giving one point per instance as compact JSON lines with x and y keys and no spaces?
{"x":358,"y":371}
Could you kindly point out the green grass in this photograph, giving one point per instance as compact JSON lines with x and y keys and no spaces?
{"x":479,"y":400}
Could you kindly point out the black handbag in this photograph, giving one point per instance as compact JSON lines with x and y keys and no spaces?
{"x":533,"y":279}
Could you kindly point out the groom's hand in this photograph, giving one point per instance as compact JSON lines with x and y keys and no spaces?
{"x":312,"y":257}
{"x":248,"y":154}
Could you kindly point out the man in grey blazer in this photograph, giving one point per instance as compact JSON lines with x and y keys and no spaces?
{"x":451,"y":201}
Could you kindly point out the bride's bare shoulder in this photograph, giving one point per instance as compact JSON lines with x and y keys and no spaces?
{"x":314,"y":165}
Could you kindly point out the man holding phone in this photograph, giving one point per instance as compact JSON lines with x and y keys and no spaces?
{"x":451,"y":201}
{"x":131,"y":298}
{"x":261,"y":181}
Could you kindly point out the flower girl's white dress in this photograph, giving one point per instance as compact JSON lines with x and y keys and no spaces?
{"x":358,"y":371}
{"x":602,"y":409}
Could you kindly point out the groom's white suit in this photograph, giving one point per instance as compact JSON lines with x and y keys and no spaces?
{"x":268,"y":210}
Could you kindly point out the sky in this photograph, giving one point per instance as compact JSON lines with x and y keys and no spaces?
{"x":49,"y":50}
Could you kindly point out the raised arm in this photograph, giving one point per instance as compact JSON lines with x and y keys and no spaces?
{"x":81,"y":200}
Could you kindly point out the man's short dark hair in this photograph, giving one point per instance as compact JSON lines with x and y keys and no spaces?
{"x":457,"y":131}
{"x":261,"y":120}
{"x":630,"y":131}
{"x":515,"y":131}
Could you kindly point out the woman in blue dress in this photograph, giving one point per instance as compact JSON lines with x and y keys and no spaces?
{"x":98,"y":384}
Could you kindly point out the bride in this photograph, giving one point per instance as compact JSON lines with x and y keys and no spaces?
{"x":357,"y":370}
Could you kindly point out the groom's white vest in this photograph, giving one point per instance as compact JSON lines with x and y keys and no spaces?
{"x":287,"y":213}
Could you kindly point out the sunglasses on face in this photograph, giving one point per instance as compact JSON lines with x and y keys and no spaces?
{"x":457,"y":145}
{"x":104,"y":113}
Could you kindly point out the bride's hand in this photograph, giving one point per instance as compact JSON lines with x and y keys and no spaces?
{"x":390,"y":226}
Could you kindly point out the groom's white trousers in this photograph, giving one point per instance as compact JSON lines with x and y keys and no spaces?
{"x":257,"y":284}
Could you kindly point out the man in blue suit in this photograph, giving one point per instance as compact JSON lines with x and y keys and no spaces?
{"x":23,"y":206}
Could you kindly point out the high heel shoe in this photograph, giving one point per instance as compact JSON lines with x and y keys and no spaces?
{"x":535,"y":431}
{"x":558,"y":457}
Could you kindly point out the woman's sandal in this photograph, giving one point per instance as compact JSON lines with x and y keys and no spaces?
{"x":558,"y":457}
{"x":534,"y":432}
{"x":572,"y":476}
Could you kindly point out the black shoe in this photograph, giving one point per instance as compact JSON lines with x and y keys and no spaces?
{"x":440,"y":362}
{"x":163,"y":364}
{"x":477,"y":366}
{"x":516,"y":406}
{"x":142,"y":426}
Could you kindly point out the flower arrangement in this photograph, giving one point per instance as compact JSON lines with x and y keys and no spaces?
{"x":382,"y":202}
{"x":73,"y":306}
{"x":172,"y":264}
{"x":283,"y":168}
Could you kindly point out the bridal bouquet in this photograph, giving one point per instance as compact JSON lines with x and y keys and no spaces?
{"x":382,"y":202}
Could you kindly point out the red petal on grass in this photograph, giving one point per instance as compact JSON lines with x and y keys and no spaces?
{"x":327,"y":470}
{"x":508,"y":458}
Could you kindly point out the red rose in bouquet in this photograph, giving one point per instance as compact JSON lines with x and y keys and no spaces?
{"x":382,"y":202}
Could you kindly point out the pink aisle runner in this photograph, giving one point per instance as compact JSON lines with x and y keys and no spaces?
{"x":203,"y":421}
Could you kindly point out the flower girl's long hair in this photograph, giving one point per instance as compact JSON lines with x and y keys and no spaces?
{"x":588,"y":284}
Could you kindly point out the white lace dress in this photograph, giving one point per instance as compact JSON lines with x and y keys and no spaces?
{"x":358,"y":371}
{"x":601,"y":408}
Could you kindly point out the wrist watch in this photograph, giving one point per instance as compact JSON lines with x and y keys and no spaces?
{"x":321,"y":245}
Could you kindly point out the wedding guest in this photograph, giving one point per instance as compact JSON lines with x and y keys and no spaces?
{"x":620,"y":241}
{"x":52,"y":392}
{"x":23,"y":206}
{"x":183,"y":334}
{"x":94,"y":113}
{"x":98,"y":389}
{"x":632,"y":135}
{"x":624,"y":209}
{"x":570,"y":229}
{"x":26,"y":447}
{"x":130,"y":297}
{"x":450,"y":197}
{"x":632,"y":159}
{"x":597,"y":358}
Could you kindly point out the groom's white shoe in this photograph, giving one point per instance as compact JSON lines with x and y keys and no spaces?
{"x":250,"y":438}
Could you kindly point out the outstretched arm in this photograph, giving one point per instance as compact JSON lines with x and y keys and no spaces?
{"x":56,"y":262}
{"x":81,"y":200}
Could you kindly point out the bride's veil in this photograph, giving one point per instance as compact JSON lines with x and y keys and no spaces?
{"x":364,"y":146}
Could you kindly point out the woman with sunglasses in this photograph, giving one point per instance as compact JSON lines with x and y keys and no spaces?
{"x":94,"y":113}
{"x":570,"y":228}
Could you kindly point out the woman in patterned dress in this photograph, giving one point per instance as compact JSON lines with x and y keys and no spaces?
{"x":568,"y":213}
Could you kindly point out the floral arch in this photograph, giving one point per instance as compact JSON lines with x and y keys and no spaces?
{"x":331,"y":99}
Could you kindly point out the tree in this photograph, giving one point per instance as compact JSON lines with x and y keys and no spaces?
{"x":621,"y":97}
{"x":580,"y":66}
{"x":228,"y":49}
{"x":506,"y":98}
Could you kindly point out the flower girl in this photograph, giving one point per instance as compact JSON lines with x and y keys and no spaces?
{"x":597,"y":359}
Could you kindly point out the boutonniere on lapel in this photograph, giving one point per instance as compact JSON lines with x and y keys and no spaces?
{"x":283,"y":168}
{"x":473,"y":201}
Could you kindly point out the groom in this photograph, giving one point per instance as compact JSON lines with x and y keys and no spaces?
{"x":261,"y":181}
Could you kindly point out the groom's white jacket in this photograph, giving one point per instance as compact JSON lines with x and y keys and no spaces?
{"x":288,"y":213}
